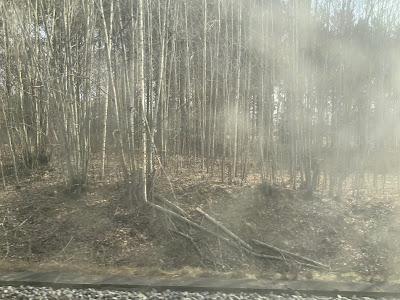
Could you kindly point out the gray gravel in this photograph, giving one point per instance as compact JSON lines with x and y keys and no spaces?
{"x":29,"y":292}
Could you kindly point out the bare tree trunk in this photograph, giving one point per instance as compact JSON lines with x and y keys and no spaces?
{"x":204,"y":89}
{"x":107,"y":34}
{"x":189,"y":108}
{"x":261,"y":116}
{"x":143,"y":144}
{"x":128,"y":89}
{"x":3,"y":178}
{"x":104,"y":142}
{"x":226,"y":106}
{"x":8,"y":91}
{"x":160,"y":88}
{"x":151,"y":117}
{"x":217,"y":86}
{"x":294,"y":96}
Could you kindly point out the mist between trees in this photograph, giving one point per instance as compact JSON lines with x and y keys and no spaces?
{"x":299,"y":91}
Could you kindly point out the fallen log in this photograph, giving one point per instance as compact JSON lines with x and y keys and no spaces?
{"x":183,"y":219}
{"x":292,"y":255}
{"x":175,"y":207}
{"x":264,"y":256}
{"x":246,"y":250}
{"x":224,"y":229}
{"x":271,"y":257}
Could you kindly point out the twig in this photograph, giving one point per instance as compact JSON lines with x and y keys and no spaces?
{"x":65,"y":247}
{"x":189,"y":238}
{"x":165,"y":173}
{"x":226,"y":230}
{"x":264,"y":256}
{"x":292,"y":255}
{"x":26,"y":220}
{"x":281,"y":259}
{"x":2,"y":171}
{"x":5,"y":235}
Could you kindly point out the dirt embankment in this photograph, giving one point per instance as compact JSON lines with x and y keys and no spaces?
{"x":45,"y":227}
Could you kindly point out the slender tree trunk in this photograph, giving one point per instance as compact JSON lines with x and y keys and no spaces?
{"x":143,"y":144}
{"x":8,"y":92}
{"x":107,"y":34}
{"x":204,"y":89}
{"x":160,"y":88}
{"x":217,"y":86}
{"x":104,"y":142}
{"x":3,"y":178}
{"x":132,"y":92}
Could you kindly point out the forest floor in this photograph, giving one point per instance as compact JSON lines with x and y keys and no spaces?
{"x":45,"y":227}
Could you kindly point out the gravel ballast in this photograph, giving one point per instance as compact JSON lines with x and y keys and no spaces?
{"x":30,"y":292}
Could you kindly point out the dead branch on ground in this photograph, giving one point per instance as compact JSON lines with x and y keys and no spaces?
{"x":224,"y":229}
{"x":290,"y":254}
{"x":183,"y":219}
{"x":173,"y":206}
{"x":237,"y":241}
{"x":188,"y":238}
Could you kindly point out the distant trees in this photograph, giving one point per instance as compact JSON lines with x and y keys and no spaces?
{"x":292,"y":88}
